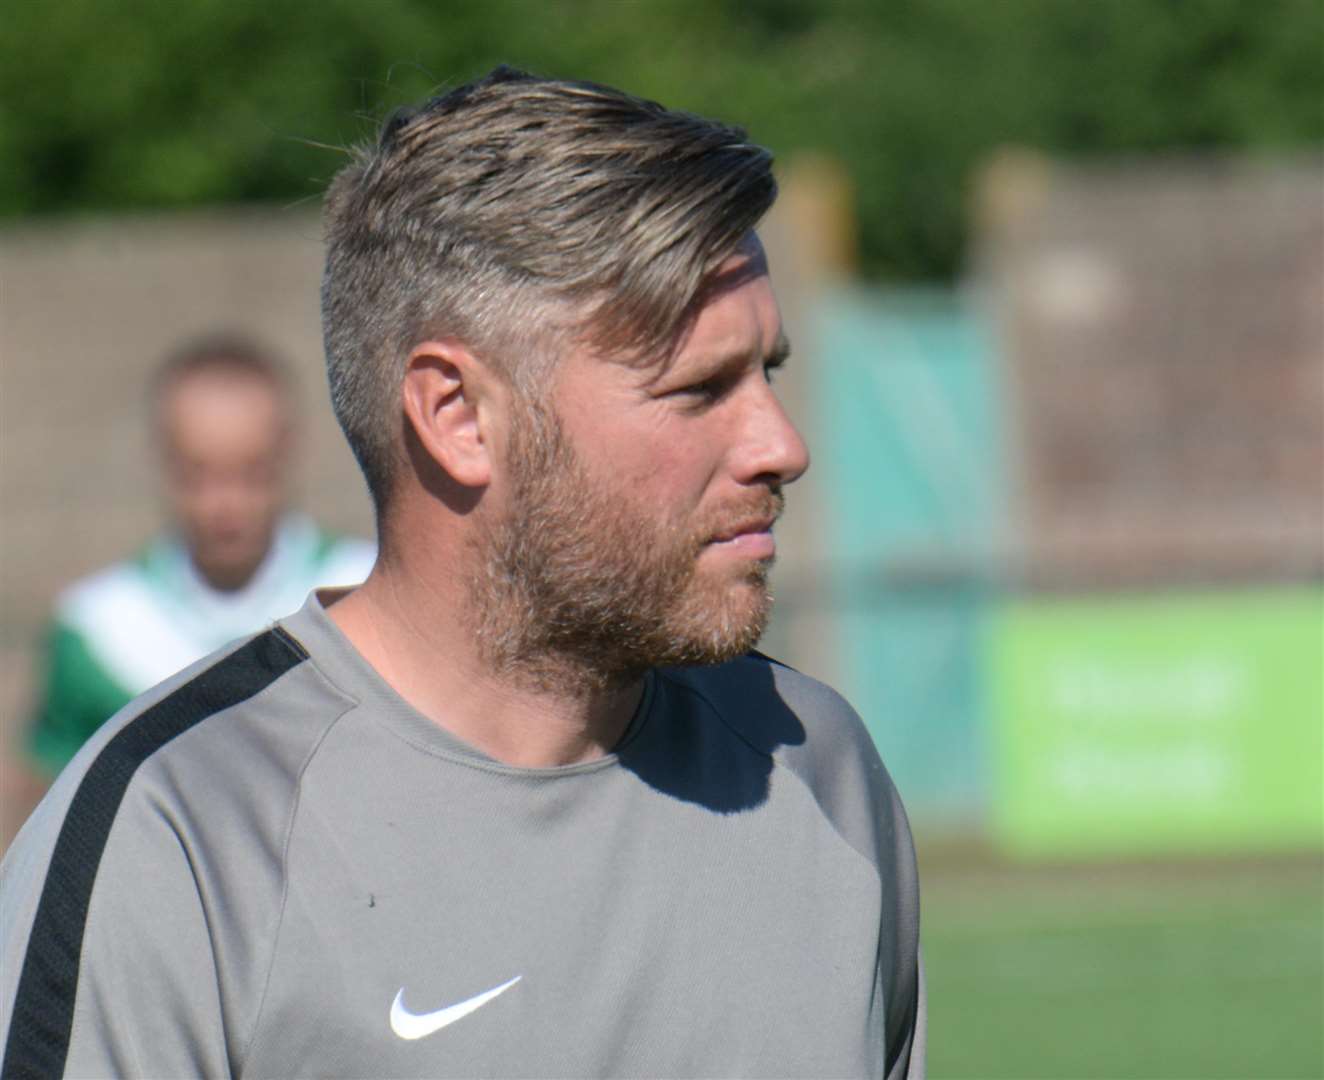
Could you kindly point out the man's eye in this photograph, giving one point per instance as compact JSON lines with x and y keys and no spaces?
{"x":708,"y":390}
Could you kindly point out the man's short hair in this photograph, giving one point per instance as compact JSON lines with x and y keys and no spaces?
{"x":224,"y":353}
{"x":520,"y":214}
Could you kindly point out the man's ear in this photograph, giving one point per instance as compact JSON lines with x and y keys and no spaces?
{"x":446,"y":399}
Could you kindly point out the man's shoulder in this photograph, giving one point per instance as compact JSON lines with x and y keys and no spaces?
{"x":108,"y":588}
{"x":210,"y":760}
{"x":127,"y":622}
{"x":188,"y":792}
{"x":256,"y":700}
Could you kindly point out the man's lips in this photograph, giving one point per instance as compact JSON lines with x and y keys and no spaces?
{"x":750,"y":539}
{"x":754,"y":526}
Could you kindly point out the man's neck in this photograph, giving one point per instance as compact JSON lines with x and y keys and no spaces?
{"x":408,"y":629}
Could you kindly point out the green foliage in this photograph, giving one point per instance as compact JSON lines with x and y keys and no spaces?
{"x":146,"y":104}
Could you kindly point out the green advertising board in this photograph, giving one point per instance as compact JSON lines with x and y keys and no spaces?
{"x":1131,"y":724}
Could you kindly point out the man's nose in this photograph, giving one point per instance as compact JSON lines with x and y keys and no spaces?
{"x":771,"y":447}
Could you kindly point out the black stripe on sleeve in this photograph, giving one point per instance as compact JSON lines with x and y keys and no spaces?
{"x":42,"y":1019}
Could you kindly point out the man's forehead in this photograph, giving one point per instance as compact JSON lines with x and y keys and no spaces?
{"x":747,"y":262}
{"x":746,"y":268}
{"x":201,"y":408}
{"x":192,"y":387}
{"x":743,"y":267}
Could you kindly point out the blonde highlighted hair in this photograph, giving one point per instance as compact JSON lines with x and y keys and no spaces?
{"x":517,"y":214}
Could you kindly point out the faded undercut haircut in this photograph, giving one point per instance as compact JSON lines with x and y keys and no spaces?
{"x":519,"y":215}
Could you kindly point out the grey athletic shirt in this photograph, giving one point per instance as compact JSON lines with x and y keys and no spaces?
{"x":272,"y":866}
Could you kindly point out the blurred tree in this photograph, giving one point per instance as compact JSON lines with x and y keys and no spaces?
{"x":144,"y":104}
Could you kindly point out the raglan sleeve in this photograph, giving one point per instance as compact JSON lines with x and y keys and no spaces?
{"x":841,"y":765}
{"x":900,"y":957}
{"x":109,"y":966}
{"x":917,"y":1040}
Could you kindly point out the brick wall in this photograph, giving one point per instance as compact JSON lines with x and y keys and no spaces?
{"x":87,"y":309}
{"x":1163,"y":333}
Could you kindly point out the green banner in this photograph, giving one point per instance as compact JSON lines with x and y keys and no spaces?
{"x":1159,"y":723}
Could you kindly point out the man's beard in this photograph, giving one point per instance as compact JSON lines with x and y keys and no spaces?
{"x":580,"y":589}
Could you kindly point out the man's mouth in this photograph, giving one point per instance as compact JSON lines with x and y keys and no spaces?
{"x":751,"y":527}
{"x":747,"y":529}
{"x":748,"y":539}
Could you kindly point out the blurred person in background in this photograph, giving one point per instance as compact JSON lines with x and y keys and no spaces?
{"x":234,"y":557}
{"x":525,"y":803}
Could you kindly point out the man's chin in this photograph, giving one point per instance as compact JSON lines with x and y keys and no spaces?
{"x":723,"y":627}
{"x":229,"y":570}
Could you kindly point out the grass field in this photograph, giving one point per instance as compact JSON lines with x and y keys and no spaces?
{"x":1197,"y":970}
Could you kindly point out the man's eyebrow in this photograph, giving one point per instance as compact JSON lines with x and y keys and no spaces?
{"x":775,"y":357}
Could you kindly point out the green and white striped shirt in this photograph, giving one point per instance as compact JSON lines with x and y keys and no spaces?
{"x":126,"y":628}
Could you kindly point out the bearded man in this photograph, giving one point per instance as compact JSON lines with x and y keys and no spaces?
{"x":524,"y":803}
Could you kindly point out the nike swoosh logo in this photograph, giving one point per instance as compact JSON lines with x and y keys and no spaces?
{"x":410,"y":1025}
